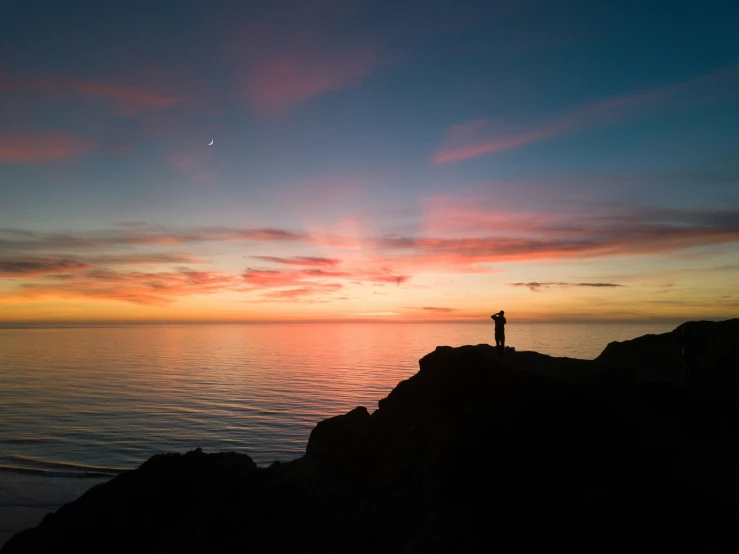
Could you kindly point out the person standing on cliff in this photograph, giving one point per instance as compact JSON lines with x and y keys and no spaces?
{"x":500,"y":322}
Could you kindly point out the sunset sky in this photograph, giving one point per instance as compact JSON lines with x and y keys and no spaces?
{"x":372,"y":160}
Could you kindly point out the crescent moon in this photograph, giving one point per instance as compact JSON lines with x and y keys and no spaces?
{"x":211,"y":142}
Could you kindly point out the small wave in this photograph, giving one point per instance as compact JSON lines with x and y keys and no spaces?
{"x":25,"y":464}
{"x":63,"y":474}
{"x":28,"y":441}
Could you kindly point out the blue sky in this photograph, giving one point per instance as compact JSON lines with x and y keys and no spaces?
{"x":447,"y":154}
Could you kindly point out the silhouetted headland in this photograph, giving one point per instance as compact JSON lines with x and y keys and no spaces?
{"x":476,"y":452}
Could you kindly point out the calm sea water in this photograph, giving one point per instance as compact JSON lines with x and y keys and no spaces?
{"x":77,"y":404}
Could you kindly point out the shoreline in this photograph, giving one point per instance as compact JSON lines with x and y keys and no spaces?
{"x":620,"y":433}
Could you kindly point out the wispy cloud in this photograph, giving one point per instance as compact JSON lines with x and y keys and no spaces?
{"x":301,"y":292}
{"x":269,"y":278}
{"x":309,"y":261}
{"x":482,"y":137}
{"x":388,"y":277}
{"x":94,"y":264}
{"x":124,"y":99}
{"x":566,"y":235}
{"x":12,"y":266}
{"x":276,"y":84}
{"x":488,"y":141}
{"x":295,"y":54}
{"x":63,"y":278}
{"x":29,"y":147}
{"x":140,"y":258}
{"x":16,"y":267}
{"x":49,"y":278}
{"x":536,"y":287}
{"x":13,"y":239}
{"x":433,"y":309}
{"x":272,"y":278}
{"x":127,"y":100}
{"x":196,"y":161}
{"x":147,"y":288}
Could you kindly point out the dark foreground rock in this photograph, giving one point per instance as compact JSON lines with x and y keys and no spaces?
{"x":714,"y":356}
{"x":473,"y":453}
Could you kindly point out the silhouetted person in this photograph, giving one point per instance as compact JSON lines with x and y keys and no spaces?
{"x":499,"y":319}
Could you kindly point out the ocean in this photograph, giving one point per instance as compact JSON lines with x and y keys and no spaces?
{"x":79,"y":404}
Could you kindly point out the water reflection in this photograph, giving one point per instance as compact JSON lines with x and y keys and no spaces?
{"x":112,"y":397}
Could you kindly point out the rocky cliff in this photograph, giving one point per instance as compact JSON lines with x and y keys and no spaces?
{"x":473,"y":453}
{"x":714,"y":359}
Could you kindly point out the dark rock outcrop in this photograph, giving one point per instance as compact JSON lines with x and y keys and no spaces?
{"x":715,"y":356}
{"x":473,"y":453}
{"x":172,"y":501}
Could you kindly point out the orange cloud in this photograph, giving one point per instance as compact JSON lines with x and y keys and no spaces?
{"x":301,"y":292}
{"x":272,"y":278}
{"x":27,"y":147}
{"x":293,"y":285}
{"x":482,"y":137}
{"x":267,"y":278}
{"x":381,"y":261}
{"x":155,"y":289}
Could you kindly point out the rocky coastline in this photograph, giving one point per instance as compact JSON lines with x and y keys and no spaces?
{"x":475,"y":452}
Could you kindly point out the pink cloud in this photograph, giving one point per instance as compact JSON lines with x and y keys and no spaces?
{"x":346,"y":233}
{"x":276,"y":83}
{"x":127,"y":100}
{"x":185,"y":162}
{"x":267,"y":278}
{"x":292,"y":55}
{"x":288,"y":285}
{"x":566,"y":235}
{"x":29,"y":147}
{"x":482,"y":137}
{"x":315,"y":277}
{"x":196,"y":161}
{"x":495,"y":142}
{"x":448,"y":246}
{"x":454,"y":216}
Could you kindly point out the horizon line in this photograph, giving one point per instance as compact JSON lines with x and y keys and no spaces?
{"x":135,"y":323}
